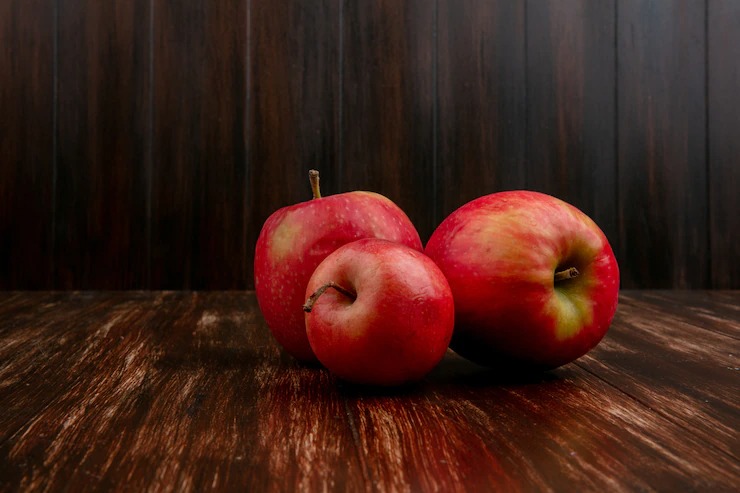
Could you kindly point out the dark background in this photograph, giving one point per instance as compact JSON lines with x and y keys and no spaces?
{"x":144,"y":142}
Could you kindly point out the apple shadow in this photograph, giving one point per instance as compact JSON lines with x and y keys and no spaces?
{"x":458,"y":371}
{"x":354,"y":391}
{"x":455,"y":372}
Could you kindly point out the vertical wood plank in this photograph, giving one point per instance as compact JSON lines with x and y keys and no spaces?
{"x":103,"y":146}
{"x":27,"y":32}
{"x":662,"y":145}
{"x":388,"y":104}
{"x":293,"y":111}
{"x":724,"y":142}
{"x":199,"y":191}
{"x":481,"y":97}
{"x":571,"y":105}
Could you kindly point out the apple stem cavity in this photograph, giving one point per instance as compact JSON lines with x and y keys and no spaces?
{"x":313,"y":177}
{"x":314,"y":297}
{"x":566,"y":274}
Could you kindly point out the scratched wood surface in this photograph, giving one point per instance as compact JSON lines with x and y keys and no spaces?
{"x":174,"y":391}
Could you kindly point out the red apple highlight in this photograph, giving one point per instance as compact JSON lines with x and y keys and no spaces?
{"x":379,"y":313}
{"x":295,"y":239}
{"x":534,"y":279}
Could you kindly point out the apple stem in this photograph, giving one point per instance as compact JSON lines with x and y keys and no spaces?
{"x":314,"y":297}
{"x":313,"y":177}
{"x":566,"y":274}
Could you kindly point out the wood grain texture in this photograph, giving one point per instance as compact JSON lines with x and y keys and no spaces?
{"x":723,"y":52}
{"x":27,"y":36}
{"x":199,"y":180}
{"x":653,"y":355}
{"x":193,"y":395}
{"x":388,"y":100}
{"x":662,"y":144}
{"x":571,"y":101}
{"x":171,"y":391}
{"x":294,"y":106}
{"x":564,"y":430}
{"x":103,"y":153}
{"x":718,"y":311}
{"x":58,"y":328}
{"x":482,"y":100}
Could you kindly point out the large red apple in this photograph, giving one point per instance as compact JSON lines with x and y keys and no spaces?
{"x":295,"y":239}
{"x":379,"y":313}
{"x":534,"y":279}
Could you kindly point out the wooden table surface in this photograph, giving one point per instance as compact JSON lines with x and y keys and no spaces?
{"x":173,"y":391}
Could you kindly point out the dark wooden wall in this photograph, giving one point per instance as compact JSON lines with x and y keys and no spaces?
{"x":144,"y":142}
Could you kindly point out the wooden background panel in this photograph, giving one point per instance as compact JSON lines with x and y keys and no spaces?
{"x":293,"y":122}
{"x":662,"y":143}
{"x":723,"y":62}
{"x":481,"y":99}
{"x":571,"y":102}
{"x":199,"y":204}
{"x":387,"y":124}
{"x":147,"y":148}
{"x":27,"y":36}
{"x":103,"y":144}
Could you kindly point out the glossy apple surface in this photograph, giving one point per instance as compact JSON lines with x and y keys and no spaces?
{"x":500,"y":254}
{"x":295,"y":239}
{"x":387,"y":320}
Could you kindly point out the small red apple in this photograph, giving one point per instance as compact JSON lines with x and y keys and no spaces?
{"x":295,"y":239}
{"x":534,"y":279}
{"x":379,"y":313}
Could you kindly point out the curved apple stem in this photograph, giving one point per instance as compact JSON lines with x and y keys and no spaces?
{"x":566,"y":274}
{"x":313,"y":177}
{"x":314,"y":297}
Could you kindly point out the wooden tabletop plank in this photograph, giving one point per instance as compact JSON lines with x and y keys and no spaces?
{"x":712,"y":310}
{"x":79,"y":436}
{"x":464,"y":429}
{"x":189,"y":392}
{"x":684,"y":373}
{"x":43,"y":342}
{"x":13,"y":303}
{"x":9,"y":298}
{"x":184,"y":391}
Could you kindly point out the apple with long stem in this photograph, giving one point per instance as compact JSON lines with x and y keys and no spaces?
{"x":534,"y":279}
{"x":379,"y":313}
{"x":295,"y":239}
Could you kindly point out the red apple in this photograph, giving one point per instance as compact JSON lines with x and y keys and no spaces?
{"x":295,"y":239}
{"x":379,"y":313}
{"x":534,"y":279}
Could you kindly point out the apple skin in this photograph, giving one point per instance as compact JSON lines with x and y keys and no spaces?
{"x":295,"y":239}
{"x":399,"y":326}
{"x":500,"y":253}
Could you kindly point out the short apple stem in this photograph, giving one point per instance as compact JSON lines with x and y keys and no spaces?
{"x":313,"y":177}
{"x":566,"y":274}
{"x":314,"y":297}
